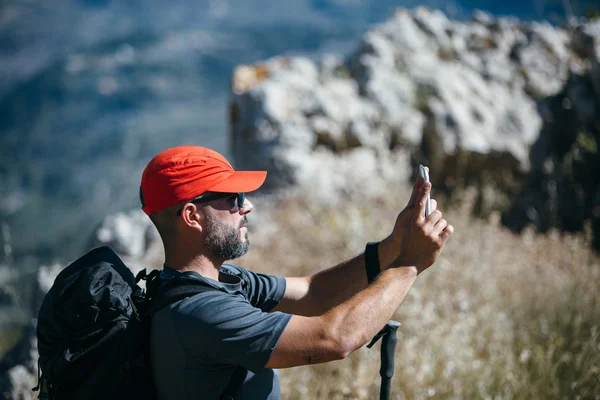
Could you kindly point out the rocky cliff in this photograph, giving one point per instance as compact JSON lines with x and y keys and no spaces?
{"x":506,"y":106}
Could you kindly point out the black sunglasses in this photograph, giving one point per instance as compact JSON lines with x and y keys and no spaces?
{"x":240,"y":198}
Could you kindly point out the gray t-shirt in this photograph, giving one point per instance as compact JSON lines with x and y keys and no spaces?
{"x":196,"y":343}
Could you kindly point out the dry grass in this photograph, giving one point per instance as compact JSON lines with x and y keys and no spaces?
{"x":499,"y":316}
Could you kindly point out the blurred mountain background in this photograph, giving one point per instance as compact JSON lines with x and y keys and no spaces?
{"x":90,"y":90}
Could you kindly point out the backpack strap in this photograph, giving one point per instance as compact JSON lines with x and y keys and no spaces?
{"x":235,"y":384}
{"x":163,"y":294}
{"x":174,"y":290}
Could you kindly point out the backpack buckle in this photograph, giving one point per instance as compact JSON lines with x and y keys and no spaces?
{"x":145,"y":276}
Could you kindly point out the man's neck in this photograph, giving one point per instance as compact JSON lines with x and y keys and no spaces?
{"x":199,"y":263}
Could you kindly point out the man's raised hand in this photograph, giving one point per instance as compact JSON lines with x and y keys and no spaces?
{"x":390,"y":247}
{"x":422,"y":239}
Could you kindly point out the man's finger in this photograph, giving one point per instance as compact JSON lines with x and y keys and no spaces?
{"x":446,"y":233}
{"x":425,"y":189}
{"x":415,"y":191}
{"x":433,"y":205}
{"x":439,"y":227}
{"x":433,"y":219}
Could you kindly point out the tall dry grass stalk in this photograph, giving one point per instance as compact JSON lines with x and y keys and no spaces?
{"x":499,"y":316}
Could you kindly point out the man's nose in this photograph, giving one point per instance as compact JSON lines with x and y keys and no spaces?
{"x":246,"y":207}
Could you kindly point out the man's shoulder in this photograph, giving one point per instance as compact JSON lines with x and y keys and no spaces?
{"x":208,"y":308}
{"x":234,"y":269}
{"x":246,"y":278}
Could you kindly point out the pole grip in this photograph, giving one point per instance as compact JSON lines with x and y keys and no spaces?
{"x":388,"y":349}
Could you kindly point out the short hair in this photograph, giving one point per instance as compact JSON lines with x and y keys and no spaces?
{"x":165,"y":222}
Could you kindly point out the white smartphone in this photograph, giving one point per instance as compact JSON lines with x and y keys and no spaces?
{"x":425,"y":175}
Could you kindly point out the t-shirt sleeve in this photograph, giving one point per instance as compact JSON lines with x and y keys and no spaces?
{"x":227,"y":329}
{"x":264,"y":291}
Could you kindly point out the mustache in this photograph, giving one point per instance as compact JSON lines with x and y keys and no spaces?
{"x":243,"y":222}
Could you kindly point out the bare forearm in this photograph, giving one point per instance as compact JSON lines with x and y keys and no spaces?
{"x":315,"y":295}
{"x":388,"y":251}
{"x":357,"y":320}
{"x":333,"y":286}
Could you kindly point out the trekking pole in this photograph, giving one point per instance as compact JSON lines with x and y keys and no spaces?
{"x":388,"y":349}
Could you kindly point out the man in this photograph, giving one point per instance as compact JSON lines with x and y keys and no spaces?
{"x":257,"y":322}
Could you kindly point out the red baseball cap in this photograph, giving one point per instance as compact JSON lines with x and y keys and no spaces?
{"x":182,"y":173}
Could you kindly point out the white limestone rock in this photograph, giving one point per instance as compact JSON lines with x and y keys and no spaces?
{"x":130,"y":234}
{"x":417,"y":81}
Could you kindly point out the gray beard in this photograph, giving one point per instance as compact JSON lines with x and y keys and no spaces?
{"x":223,"y":240}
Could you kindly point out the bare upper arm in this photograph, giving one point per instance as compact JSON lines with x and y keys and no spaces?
{"x":306,"y":340}
{"x":296,"y":299}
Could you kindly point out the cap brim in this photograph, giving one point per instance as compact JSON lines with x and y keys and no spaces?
{"x":241,"y":182}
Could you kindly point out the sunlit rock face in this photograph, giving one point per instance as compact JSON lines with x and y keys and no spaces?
{"x":563,"y":187}
{"x":479,"y":101}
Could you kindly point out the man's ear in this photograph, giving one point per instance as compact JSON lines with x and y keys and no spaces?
{"x":192,"y":216}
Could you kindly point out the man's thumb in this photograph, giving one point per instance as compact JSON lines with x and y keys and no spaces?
{"x":423,"y":199}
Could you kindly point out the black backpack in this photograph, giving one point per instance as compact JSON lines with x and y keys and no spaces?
{"x":93,"y":330}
